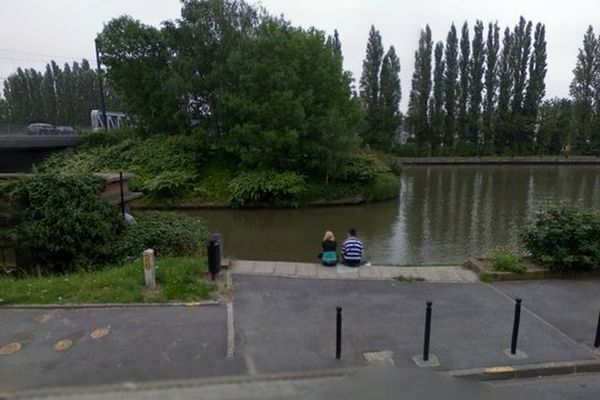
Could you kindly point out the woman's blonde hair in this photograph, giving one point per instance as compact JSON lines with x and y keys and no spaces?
{"x":329,"y":236}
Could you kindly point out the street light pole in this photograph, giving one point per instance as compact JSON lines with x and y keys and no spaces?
{"x":101,"y":86}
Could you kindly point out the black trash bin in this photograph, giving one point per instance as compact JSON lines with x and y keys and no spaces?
{"x":214,"y":255}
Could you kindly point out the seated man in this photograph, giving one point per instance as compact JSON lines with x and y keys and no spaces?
{"x":352,"y":250}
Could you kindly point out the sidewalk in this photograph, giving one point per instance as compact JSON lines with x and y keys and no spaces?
{"x":316,"y":271}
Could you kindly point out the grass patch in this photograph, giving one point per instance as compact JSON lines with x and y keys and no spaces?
{"x":180,"y":279}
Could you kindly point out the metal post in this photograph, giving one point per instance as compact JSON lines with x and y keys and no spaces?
{"x":427,"y":331}
{"x":122,"y":195}
{"x":101,"y":87}
{"x":515,"y":333}
{"x":597,"y":341}
{"x":338,"y":334}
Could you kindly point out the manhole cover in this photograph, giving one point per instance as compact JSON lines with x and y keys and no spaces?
{"x":100,"y":333}
{"x":10,"y":348}
{"x":63,"y":345}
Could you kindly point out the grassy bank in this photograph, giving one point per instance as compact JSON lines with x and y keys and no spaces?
{"x":178,"y":170}
{"x":179,"y":279}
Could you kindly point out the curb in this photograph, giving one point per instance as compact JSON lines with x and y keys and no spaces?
{"x":108,"y":305}
{"x":528,"y":370}
{"x":131,"y":387}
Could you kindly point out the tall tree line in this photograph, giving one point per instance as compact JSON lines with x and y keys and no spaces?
{"x":481,"y":96}
{"x":380,"y":92}
{"x":59,"y":96}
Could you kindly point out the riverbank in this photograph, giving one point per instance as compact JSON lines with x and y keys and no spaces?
{"x":493,"y":160}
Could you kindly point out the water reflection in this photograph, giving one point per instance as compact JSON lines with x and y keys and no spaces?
{"x":444,"y":213}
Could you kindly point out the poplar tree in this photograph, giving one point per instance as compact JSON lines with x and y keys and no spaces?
{"x":585,"y":80}
{"x":476,"y":84}
{"x":369,"y":85}
{"x":389,"y":99}
{"x":436,"y":106}
{"x":536,"y":86}
{"x":421,"y":88}
{"x":337,"y":44}
{"x":463,"y":97}
{"x":450,"y":86}
{"x":520,"y":61}
{"x":503,"y":134}
{"x":491,"y":84}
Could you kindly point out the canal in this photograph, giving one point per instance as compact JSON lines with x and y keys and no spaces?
{"x":443,"y":215}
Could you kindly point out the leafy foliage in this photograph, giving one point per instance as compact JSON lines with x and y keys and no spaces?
{"x":564,"y":238}
{"x":290,"y":107}
{"x":63,"y":222}
{"x":169,"y":234}
{"x":164,"y":166}
{"x":267,"y":187}
{"x":505,"y":259}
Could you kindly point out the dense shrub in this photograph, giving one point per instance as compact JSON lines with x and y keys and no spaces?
{"x":505,"y":259}
{"x":363,"y":168}
{"x":169,"y":234}
{"x":165,"y":166}
{"x":268,"y":187}
{"x":385,"y":186}
{"x":564,"y":237}
{"x":63,"y":224}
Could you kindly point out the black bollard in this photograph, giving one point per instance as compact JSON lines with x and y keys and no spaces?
{"x":338,"y":334}
{"x":122,"y":194}
{"x":427,"y":331}
{"x":515,"y":333}
{"x":597,"y":341}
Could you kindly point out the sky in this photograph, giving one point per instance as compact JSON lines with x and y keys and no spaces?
{"x":33,"y":31}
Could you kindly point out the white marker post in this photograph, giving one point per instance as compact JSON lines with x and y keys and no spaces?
{"x":149,"y":269}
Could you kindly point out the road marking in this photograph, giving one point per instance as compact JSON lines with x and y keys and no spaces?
{"x":384,"y":357}
{"x":100,"y":333}
{"x":230,"y":331}
{"x":10,"y":348}
{"x":495,"y":370}
{"x":63,"y":345}
{"x":250,"y":366}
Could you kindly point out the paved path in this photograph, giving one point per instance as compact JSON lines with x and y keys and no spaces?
{"x":317,"y":271}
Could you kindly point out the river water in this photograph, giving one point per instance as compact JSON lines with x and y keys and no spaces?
{"x":444,"y":214}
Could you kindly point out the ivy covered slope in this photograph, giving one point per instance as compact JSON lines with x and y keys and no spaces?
{"x":178,"y":170}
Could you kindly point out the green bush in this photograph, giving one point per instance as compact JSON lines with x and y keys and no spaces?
{"x":384,"y":187}
{"x":168,"y":233}
{"x":363,"y":168}
{"x":505,"y":259}
{"x":63,"y":224}
{"x":564,"y":238}
{"x":267,"y":187}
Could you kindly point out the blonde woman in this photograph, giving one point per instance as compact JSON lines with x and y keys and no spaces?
{"x":329,"y":255}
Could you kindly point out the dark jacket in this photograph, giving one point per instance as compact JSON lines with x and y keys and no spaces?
{"x":329,"y":245}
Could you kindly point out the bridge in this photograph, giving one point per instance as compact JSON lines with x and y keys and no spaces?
{"x":19,"y":151}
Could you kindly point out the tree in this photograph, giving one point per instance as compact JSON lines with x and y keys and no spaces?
{"x":520,"y":60}
{"x":202,"y":40}
{"x":292,"y":110}
{"x":555,"y":118}
{"x":585,"y":76}
{"x":138,"y":67}
{"x":369,"y":86}
{"x":337,"y":44}
{"x":463,"y":93}
{"x":476,"y":84}
{"x":436,"y":106}
{"x":503,"y":137}
{"x":450,"y":86}
{"x":491,"y":85}
{"x":536,"y":86}
{"x":389,"y":100}
{"x":421,"y":88}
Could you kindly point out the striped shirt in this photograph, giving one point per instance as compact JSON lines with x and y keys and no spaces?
{"x":352,"y":249}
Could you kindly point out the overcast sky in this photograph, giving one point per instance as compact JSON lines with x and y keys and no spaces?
{"x":64,"y":29}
